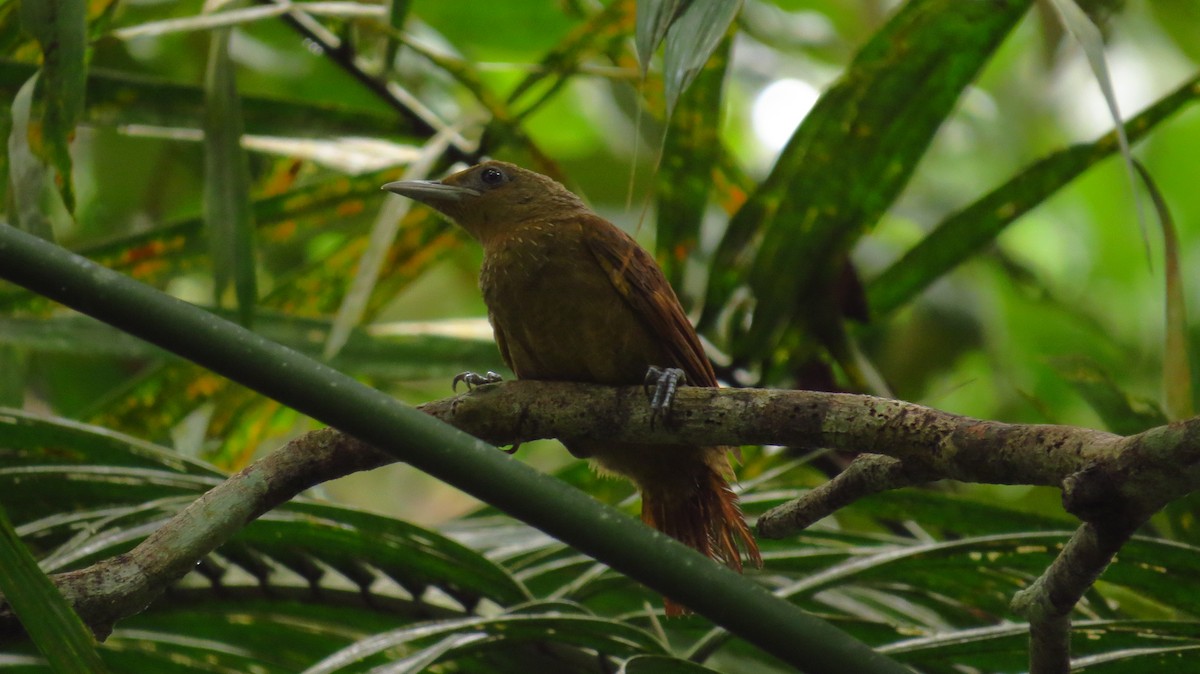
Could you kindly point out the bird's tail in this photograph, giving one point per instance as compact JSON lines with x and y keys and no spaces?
{"x":702,"y":512}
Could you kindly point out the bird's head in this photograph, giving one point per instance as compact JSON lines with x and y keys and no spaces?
{"x":492,"y":197}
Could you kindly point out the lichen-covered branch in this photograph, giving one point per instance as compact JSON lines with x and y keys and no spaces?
{"x":933,"y":443}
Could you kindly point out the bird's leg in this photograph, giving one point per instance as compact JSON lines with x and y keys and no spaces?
{"x":664,"y":381}
{"x":473,"y":379}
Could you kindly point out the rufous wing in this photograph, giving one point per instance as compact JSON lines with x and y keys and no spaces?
{"x":637,"y":278}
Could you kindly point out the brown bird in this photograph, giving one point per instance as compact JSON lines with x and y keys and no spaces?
{"x":573,"y":298}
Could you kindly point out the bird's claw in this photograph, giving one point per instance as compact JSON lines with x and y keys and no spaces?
{"x":664,"y":381}
{"x":473,"y":379}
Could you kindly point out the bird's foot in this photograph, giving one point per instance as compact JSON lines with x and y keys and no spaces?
{"x":664,"y":381}
{"x":473,"y":379}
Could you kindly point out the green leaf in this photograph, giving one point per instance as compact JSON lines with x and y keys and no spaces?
{"x":969,"y":230}
{"x":242,"y":17}
{"x":344,"y":539}
{"x":1177,"y":368}
{"x":227,"y":184}
{"x":418,"y":355}
{"x":58,"y":632}
{"x":118,"y":98}
{"x":691,"y":152}
{"x":1174,"y":659}
{"x":38,"y":440}
{"x":849,"y":159}
{"x":1156,"y":569}
{"x":661,"y":664}
{"x":31,"y":178}
{"x":1110,"y":646}
{"x":243,"y":629}
{"x":955,"y":515}
{"x":654,"y":17}
{"x":691,"y":40}
{"x":1088,"y":35}
{"x":60,"y":27}
{"x":448,"y":640}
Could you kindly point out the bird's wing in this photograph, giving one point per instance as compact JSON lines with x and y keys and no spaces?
{"x":638,"y":279}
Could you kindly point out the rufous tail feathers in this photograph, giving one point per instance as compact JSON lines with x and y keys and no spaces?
{"x":703,"y":515}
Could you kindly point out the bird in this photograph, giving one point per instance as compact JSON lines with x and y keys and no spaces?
{"x":572,"y":297}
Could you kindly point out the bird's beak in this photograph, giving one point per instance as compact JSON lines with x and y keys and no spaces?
{"x":430,"y":191}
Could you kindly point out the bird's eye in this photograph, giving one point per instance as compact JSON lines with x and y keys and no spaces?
{"x":492,"y":176}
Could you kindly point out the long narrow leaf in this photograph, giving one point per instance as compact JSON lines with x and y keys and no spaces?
{"x":970,"y":229}
{"x":661,"y":664}
{"x":1080,"y":26}
{"x":421,"y":353}
{"x":654,"y":18}
{"x":29,"y":175}
{"x":46,"y":616}
{"x":246,"y":15}
{"x":604,"y":635}
{"x":1132,"y":646}
{"x":691,"y":41}
{"x":1177,"y":367}
{"x":691,"y":153}
{"x":119,"y":98}
{"x":227,"y":184}
{"x":60,"y":27}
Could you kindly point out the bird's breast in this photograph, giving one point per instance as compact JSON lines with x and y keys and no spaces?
{"x":557,"y":314}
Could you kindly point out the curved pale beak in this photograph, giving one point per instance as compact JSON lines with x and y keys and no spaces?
{"x":430,"y":191}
